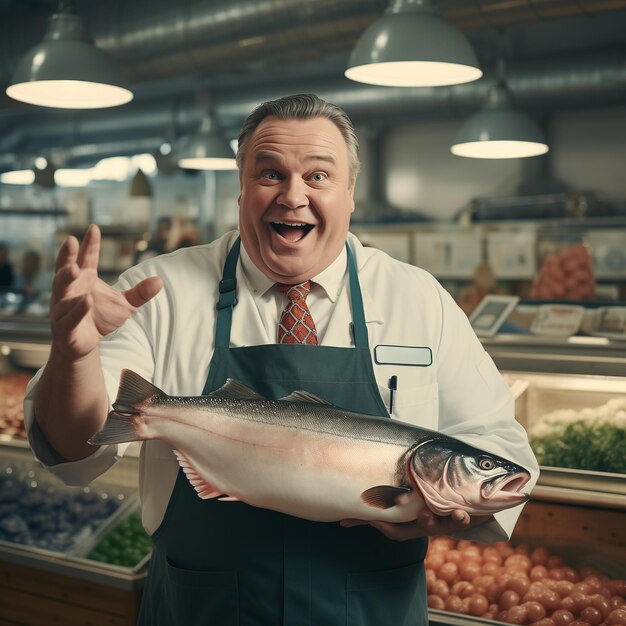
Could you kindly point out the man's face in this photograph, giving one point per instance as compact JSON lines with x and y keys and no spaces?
{"x":296,"y":197}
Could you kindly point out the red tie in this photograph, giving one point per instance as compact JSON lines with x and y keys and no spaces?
{"x":296,"y":324}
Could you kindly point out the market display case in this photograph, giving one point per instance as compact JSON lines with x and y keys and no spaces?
{"x":575,"y":518}
{"x":67,"y":555}
{"x":567,"y":558}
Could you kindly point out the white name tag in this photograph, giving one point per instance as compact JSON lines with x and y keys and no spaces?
{"x":403,"y":355}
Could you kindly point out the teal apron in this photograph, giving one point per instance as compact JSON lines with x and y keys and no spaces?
{"x":227,"y":563}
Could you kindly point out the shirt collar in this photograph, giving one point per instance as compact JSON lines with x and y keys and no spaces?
{"x":330,"y":280}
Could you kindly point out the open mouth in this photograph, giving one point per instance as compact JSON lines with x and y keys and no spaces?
{"x":510,"y":484}
{"x":292,"y":232}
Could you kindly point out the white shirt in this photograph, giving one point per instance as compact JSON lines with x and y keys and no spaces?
{"x":170,"y":342}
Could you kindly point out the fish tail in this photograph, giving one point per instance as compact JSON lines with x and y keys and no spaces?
{"x":123,"y":424}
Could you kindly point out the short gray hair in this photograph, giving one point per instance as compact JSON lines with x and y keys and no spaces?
{"x":302,"y":107}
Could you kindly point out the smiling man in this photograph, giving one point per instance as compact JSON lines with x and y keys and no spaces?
{"x":290,"y":301}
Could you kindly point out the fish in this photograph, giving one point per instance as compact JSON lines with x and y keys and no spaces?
{"x":305,"y":457}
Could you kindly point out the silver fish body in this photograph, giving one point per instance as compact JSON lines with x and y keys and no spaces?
{"x":304,"y":457}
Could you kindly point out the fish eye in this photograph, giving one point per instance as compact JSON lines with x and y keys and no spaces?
{"x":486,"y":463}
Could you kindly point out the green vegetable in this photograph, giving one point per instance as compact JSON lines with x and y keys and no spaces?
{"x":127,"y":544}
{"x":600,"y":447}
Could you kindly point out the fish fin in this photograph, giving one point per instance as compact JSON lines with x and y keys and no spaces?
{"x":118,"y":428}
{"x":204,"y":489}
{"x":304,"y":396}
{"x":229,"y":499}
{"x":134,"y":390}
{"x":384,"y":496}
{"x":233,"y":389}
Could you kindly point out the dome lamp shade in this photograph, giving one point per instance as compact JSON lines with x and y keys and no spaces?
{"x":413,"y":46}
{"x":67,"y":71}
{"x":499,"y":131}
{"x":207,"y":150}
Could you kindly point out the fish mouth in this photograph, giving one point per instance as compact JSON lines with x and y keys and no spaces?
{"x":506,"y":486}
{"x":292,"y":232}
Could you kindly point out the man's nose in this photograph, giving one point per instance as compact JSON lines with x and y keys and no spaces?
{"x":293,"y":193}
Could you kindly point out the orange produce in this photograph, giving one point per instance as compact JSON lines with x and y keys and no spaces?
{"x":520,"y":585}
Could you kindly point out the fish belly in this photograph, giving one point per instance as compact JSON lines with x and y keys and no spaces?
{"x":306,"y":474}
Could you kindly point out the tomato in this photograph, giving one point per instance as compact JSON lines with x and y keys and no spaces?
{"x":616,"y":616}
{"x":491,"y":555}
{"x":545,"y":621}
{"x":468,"y":570}
{"x":458,"y":588}
{"x":591,"y":615}
{"x":601,"y":603}
{"x":471,"y":552}
{"x":435,"y":602}
{"x":453,"y":604}
{"x":440,"y":588}
{"x":564,"y":587}
{"x":617,"y":602}
{"x":453,"y":556}
{"x":520,"y":561}
{"x":519,"y":584}
{"x":481,"y":583}
{"x":508,"y":599}
{"x":491,"y":569}
{"x":516,"y":615}
{"x":550,"y":599}
{"x":448,"y":572}
{"x":478,"y":604}
{"x":434,"y":561}
{"x":538,"y":572}
{"x":534,"y":610}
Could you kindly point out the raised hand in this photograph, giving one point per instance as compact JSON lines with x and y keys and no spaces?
{"x":83,"y":308}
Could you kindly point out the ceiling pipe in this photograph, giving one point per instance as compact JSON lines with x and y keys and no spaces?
{"x":155,"y":39}
{"x":554,"y":84}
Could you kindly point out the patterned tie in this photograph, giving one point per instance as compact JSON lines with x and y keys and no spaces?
{"x":296,"y":324}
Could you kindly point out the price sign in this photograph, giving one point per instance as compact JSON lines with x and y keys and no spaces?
{"x":558,"y":320}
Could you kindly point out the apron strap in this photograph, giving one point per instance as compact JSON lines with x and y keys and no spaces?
{"x":358,"y":313}
{"x":228,"y":299}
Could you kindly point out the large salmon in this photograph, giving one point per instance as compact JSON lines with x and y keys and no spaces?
{"x":302,"y":456}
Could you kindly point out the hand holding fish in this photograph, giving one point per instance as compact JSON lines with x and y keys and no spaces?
{"x":83,"y":308}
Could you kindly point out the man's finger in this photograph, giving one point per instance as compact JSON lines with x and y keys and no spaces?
{"x":143,"y":291}
{"x":67,"y":253}
{"x":89,"y":250}
{"x":62,"y":281}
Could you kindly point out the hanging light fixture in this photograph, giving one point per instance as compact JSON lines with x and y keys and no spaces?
{"x":499,"y":131}
{"x":207,"y":150}
{"x":413,"y":46}
{"x":140,"y":186}
{"x":66,"y":70}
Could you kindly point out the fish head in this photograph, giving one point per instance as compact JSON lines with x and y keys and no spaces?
{"x":454,"y":475}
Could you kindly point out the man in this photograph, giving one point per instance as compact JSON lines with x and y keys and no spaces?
{"x":191,"y":319}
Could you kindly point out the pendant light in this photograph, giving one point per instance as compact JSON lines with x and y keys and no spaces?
{"x":66,"y":70}
{"x":413,"y":46}
{"x":499,"y":130}
{"x":207,"y":149}
{"x":140,"y":185}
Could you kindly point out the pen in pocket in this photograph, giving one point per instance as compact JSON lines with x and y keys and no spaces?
{"x":393,"y":387}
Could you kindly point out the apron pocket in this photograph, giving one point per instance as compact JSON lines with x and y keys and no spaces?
{"x":202,"y":597}
{"x":395,"y":596}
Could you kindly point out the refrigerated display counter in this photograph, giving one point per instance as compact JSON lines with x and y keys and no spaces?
{"x":574,"y":512}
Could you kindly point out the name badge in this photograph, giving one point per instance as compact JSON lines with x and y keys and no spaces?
{"x":403,"y":355}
